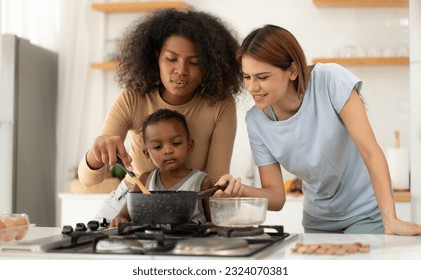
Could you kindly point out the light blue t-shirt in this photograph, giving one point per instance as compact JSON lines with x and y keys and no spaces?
{"x":315,"y":145}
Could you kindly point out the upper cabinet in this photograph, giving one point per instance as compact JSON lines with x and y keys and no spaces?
{"x":354,"y":60}
{"x":360,"y":3}
{"x":132,"y":7}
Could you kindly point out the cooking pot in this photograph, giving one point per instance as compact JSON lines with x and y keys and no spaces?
{"x":238,"y":211}
{"x":165,"y":207}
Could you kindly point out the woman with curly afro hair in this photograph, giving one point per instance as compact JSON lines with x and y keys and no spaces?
{"x":178,"y":60}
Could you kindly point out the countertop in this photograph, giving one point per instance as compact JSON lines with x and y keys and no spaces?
{"x":382,"y":247}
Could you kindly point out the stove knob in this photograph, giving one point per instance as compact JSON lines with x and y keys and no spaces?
{"x":80,"y":227}
{"x":104,"y":223}
{"x":67,"y":230}
{"x":93,"y":225}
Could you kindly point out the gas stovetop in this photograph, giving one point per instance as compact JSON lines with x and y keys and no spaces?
{"x":171,"y":240}
{"x":205,"y":240}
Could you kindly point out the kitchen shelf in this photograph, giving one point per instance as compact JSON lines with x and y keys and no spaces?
{"x":361,"y":3}
{"x":364,"y":60}
{"x":107,"y":65}
{"x":132,"y":7}
{"x":135,"y":7}
{"x":352,"y":61}
{"x":402,"y":196}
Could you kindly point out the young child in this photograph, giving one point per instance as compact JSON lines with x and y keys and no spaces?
{"x":168,"y":144}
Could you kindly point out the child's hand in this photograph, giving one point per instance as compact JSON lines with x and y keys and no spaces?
{"x":118,"y":219}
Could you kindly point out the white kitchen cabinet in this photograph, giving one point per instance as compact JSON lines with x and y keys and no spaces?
{"x":403,"y":211}
{"x":79,"y":208}
{"x":290,"y":216}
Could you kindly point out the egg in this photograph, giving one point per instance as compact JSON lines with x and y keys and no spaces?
{"x":21,"y":223}
{"x":2,"y":231}
{"x":10,"y":230}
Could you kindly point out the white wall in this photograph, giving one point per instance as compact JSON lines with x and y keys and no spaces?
{"x":415,"y":74}
{"x":322,"y":32}
{"x":326,"y":32}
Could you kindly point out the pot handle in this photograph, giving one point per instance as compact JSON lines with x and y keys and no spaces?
{"x":208,"y":192}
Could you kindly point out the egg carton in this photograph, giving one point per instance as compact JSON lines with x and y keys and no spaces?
{"x":13,"y":227}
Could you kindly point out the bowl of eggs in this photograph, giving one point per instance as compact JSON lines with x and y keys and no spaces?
{"x":13,"y":227}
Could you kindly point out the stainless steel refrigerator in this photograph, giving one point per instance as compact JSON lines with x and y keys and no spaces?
{"x":28,"y":97}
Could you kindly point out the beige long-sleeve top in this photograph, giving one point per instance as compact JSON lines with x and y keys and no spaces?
{"x":212,"y":128}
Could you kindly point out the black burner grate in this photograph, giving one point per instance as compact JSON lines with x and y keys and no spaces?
{"x":240,"y":232}
{"x":162,"y":239}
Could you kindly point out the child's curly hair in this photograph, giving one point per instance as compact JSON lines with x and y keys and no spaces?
{"x":138,"y":69}
{"x":164,"y":114}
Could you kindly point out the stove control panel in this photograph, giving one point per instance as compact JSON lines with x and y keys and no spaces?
{"x":91,"y":226}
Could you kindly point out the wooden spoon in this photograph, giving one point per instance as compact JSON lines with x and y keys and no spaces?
{"x":134,"y":177}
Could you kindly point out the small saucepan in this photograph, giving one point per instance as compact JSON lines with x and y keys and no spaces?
{"x":238,"y":211}
{"x":165,"y":207}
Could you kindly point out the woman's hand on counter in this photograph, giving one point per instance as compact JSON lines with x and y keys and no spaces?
{"x":399,"y":227}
